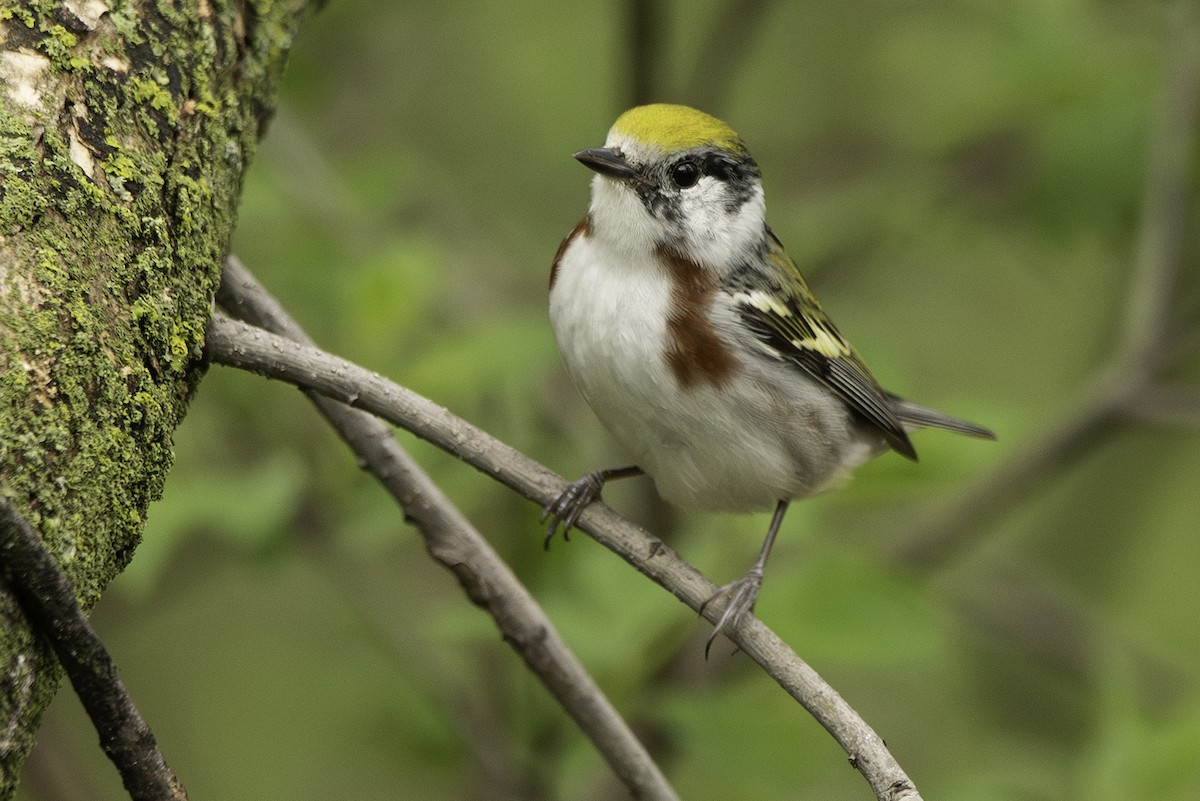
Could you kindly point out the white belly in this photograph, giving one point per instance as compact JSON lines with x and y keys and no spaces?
{"x":742,"y":446}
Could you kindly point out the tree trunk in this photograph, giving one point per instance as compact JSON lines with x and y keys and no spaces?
{"x":125,"y":129}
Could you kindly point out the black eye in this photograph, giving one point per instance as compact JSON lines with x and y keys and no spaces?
{"x":685,"y":174}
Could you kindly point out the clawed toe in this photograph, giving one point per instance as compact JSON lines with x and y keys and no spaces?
{"x":743,"y":594}
{"x":563,"y":512}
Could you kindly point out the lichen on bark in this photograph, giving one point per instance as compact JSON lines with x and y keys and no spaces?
{"x":125,"y":129}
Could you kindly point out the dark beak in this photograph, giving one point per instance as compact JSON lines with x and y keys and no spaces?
{"x":607,"y":161}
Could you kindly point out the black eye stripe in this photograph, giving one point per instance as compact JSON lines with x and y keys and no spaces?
{"x":718,"y":167}
{"x":713,"y":164}
{"x":663,"y":194}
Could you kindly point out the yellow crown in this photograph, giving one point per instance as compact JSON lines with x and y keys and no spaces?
{"x":671,"y":128}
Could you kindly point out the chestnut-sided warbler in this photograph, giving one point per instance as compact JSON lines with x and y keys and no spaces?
{"x":698,"y":344}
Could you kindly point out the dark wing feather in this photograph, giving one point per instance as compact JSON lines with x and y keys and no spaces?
{"x":782,"y":312}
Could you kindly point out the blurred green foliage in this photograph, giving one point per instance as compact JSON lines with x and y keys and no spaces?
{"x":962,"y":181}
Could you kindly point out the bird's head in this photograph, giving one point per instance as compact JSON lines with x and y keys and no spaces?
{"x":673,"y":176}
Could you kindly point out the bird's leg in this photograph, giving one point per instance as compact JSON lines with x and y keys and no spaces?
{"x":744,"y":592}
{"x":564,"y":510}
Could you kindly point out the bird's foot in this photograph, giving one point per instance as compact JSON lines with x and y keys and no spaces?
{"x":743,"y":594}
{"x":564,"y":511}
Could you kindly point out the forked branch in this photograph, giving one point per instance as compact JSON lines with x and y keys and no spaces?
{"x":243,"y":346}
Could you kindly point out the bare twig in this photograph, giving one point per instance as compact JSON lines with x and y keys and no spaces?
{"x":239,"y":345}
{"x":644,"y":26}
{"x":1168,"y":405}
{"x":1167,"y":198}
{"x":48,"y":598}
{"x":729,"y":40}
{"x":454,"y":543}
{"x":945,"y":533}
{"x":1127,"y":389}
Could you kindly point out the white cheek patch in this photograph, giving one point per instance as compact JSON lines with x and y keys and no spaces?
{"x":717,"y":235}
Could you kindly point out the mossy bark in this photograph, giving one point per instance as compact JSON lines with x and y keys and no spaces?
{"x":125,"y":129}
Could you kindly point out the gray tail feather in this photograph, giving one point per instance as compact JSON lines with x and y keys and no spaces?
{"x":914,"y":415}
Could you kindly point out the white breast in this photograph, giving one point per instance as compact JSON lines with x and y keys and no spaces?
{"x":766,"y":436}
{"x":610,"y":324}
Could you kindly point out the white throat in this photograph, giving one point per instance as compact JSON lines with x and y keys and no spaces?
{"x":705,"y":230}
{"x":621,"y":221}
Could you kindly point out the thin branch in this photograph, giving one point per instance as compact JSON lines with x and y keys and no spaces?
{"x":48,"y":598}
{"x":454,"y":543}
{"x":1126,"y":390}
{"x":943,"y":534}
{"x":1167,"y":406}
{"x":644,"y":26}
{"x":1167,"y":199}
{"x":238,"y":345}
{"x":725,"y":48}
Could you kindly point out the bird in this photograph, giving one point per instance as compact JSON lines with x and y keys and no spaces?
{"x":696,"y":341}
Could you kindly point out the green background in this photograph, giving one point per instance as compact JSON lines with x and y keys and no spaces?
{"x":962,"y":182}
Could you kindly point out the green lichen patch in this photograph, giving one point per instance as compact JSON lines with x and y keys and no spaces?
{"x":18,"y":14}
{"x":118,"y":192}
{"x":152,"y":93}
{"x":21,"y":202}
